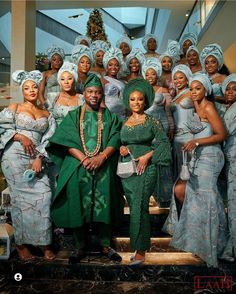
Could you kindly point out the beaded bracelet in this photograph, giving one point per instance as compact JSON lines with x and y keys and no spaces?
{"x":81,"y":161}
{"x":103,"y":153}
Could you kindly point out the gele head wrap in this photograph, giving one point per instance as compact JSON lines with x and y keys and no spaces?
{"x":173,"y":48}
{"x":79,"y":38}
{"x":79,"y":51}
{"x":227,"y":80}
{"x":141,"y":85}
{"x":99,"y":45}
{"x":204,"y":80}
{"x":192,"y":48}
{"x":135,"y":53}
{"x":212,"y":50}
{"x":69,"y":67}
{"x":182,"y":68}
{"x":21,"y":76}
{"x":124,"y":40}
{"x":146,"y":38}
{"x":112,"y":53}
{"x":54,"y":49}
{"x":174,"y":59}
{"x":189,"y":36}
{"x":153,"y":63}
{"x":92,"y":81}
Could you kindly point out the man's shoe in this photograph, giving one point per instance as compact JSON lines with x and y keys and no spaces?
{"x":77,"y":256}
{"x":137,"y":261}
{"x":111,"y":254}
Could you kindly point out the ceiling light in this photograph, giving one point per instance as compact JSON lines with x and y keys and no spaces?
{"x":187,"y":13}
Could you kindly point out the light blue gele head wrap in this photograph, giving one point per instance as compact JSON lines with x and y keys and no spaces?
{"x":112,"y":53}
{"x":54,"y":49}
{"x":204,"y":80}
{"x":146,"y":38}
{"x":124,"y":40}
{"x":79,"y":51}
{"x":174,"y":59}
{"x":212,"y":50}
{"x":69,"y":67}
{"x":227,"y":80}
{"x":189,"y":36}
{"x":182,"y":68}
{"x":99,"y":45}
{"x":192,"y":48}
{"x":153,"y":63}
{"x":135,"y":53}
{"x":80,"y":38}
{"x":21,"y":76}
{"x":173,"y":48}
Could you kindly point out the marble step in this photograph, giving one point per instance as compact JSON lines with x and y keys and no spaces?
{"x":162,"y":244}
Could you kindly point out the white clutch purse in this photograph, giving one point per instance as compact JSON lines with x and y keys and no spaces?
{"x":126,"y":169}
{"x":184,"y":173}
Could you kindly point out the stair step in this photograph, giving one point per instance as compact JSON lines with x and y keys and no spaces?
{"x":152,"y":210}
{"x":122,"y":244}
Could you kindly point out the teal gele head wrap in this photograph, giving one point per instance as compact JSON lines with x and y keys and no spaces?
{"x":92,"y":81}
{"x":189,"y":36}
{"x":79,"y":51}
{"x":126,"y":40}
{"x":21,"y":76}
{"x":146,"y":38}
{"x":142,"y":86}
{"x":54,"y":49}
{"x":182,"y":68}
{"x":192,"y":48}
{"x":227,"y":80}
{"x":80,"y":38}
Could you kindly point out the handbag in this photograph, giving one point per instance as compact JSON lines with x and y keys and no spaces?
{"x":184,"y":173}
{"x":126,"y":169}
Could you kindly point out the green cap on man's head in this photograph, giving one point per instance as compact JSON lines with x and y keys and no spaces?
{"x":92,"y":81}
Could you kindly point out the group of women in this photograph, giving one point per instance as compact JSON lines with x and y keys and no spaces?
{"x":186,"y":101}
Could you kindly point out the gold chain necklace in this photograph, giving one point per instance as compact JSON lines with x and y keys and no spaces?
{"x":99,"y":138}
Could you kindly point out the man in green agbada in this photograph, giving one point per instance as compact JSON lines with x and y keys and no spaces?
{"x":84,"y":146}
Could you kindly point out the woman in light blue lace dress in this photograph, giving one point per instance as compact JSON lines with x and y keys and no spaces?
{"x":212,"y":60}
{"x":49,"y":83}
{"x":229,"y":149}
{"x":201,"y":227}
{"x":113,"y":87}
{"x":182,"y":108}
{"x":59,"y":104}
{"x":24,"y":131}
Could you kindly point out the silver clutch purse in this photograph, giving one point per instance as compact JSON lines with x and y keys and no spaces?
{"x":184,"y":173}
{"x":126,"y":169}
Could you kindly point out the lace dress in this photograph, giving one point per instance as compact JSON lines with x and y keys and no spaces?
{"x":30,"y":200}
{"x":202,"y":226}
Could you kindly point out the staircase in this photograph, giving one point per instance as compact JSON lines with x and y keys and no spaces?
{"x":165,"y":270}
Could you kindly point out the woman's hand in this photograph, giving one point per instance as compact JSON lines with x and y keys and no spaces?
{"x":28,"y":145}
{"x":124,"y":151}
{"x":190,"y":145}
{"x":37,"y":165}
{"x":94,"y":163}
{"x":142,"y":163}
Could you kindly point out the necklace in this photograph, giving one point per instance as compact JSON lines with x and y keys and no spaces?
{"x":99,"y":138}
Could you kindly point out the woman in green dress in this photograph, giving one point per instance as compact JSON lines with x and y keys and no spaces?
{"x":144,"y":137}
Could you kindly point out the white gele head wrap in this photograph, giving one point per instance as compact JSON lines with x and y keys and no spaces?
{"x":21,"y":76}
{"x":124,"y":40}
{"x":99,"y":45}
{"x":153,"y":63}
{"x":135,"y":53}
{"x":227,"y":80}
{"x":212,"y":50}
{"x":204,"y":80}
{"x":189,"y":36}
{"x":69,"y":67}
{"x":192,"y":48}
{"x":54,"y":49}
{"x":79,"y":38}
{"x":112,"y":53}
{"x":182,"y":68}
{"x":146,"y":38}
{"x":79,"y":51}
